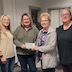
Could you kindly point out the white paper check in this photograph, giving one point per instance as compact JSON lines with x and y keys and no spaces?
{"x":30,"y":45}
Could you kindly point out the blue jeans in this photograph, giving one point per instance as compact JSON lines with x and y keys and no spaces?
{"x":10,"y":64}
{"x":27,"y":60}
{"x":2,"y":67}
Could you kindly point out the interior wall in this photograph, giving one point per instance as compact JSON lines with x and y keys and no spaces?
{"x":15,"y":8}
{"x":1,"y":7}
{"x":55,"y":4}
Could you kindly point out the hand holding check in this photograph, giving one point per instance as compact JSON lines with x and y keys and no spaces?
{"x":31,"y":46}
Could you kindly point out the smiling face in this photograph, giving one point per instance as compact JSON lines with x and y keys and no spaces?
{"x":5,"y":21}
{"x":26,"y":21}
{"x":45,"y":22}
{"x":66,"y":16}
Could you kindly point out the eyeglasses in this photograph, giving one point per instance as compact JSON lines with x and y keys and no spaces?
{"x":65,"y":14}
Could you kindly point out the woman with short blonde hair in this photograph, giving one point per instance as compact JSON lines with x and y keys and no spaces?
{"x":46,"y":44}
{"x":45,"y":14}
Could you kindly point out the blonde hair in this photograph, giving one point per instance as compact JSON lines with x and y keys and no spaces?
{"x":2,"y":26}
{"x":45,"y":14}
{"x":26,"y":14}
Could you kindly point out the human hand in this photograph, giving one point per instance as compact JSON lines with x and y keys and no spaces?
{"x":3,"y":60}
{"x":1,"y":55}
{"x":35,"y":48}
{"x":23,"y":46}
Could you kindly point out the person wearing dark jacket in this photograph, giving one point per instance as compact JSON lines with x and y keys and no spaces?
{"x":64,"y":41}
{"x":25,"y":33}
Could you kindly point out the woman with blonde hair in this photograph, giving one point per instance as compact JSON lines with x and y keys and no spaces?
{"x":46,"y":44}
{"x":6,"y":45}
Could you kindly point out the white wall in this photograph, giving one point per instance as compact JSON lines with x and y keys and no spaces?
{"x":15,"y":8}
{"x":1,"y":7}
{"x":55,"y":4}
{"x":55,"y":16}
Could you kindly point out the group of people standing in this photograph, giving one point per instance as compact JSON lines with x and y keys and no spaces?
{"x":46,"y":40}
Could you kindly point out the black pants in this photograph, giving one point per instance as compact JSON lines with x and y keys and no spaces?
{"x":67,"y":68}
{"x":48,"y":70}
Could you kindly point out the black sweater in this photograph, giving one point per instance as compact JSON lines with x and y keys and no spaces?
{"x":64,"y":41}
